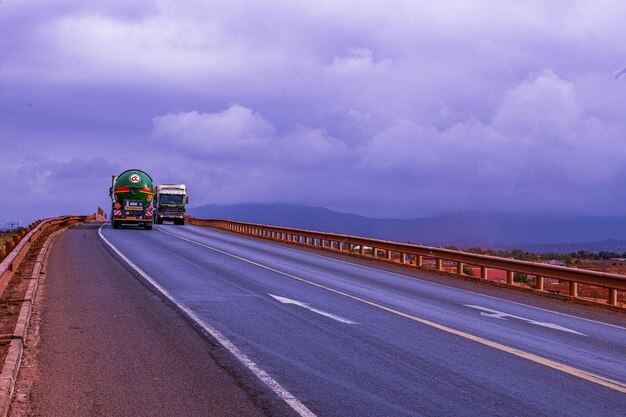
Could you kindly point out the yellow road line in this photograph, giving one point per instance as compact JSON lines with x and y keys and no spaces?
{"x":588,"y":376}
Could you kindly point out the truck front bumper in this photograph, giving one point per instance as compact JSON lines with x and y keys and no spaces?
{"x":173,"y":216}
{"x":131,"y":220}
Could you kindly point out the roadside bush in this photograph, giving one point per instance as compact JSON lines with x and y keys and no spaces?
{"x":523,"y":278}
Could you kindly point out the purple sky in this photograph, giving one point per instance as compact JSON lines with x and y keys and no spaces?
{"x":397,"y":111}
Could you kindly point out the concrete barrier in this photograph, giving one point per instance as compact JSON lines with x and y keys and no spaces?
{"x":16,"y":251}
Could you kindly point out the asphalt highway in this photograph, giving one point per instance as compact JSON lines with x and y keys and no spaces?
{"x":334,"y":336}
{"x":110,"y":347}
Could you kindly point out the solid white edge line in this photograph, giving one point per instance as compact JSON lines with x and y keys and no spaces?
{"x":285,"y":395}
{"x":299,"y":250}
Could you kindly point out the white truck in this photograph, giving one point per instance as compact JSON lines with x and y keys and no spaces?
{"x":169,"y":204}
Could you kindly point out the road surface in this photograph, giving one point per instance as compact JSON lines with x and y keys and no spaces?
{"x":110,"y":347}
{"x":342,"y":337}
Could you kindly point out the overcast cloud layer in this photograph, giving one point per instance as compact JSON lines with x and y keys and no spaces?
{"x":396,"y":110}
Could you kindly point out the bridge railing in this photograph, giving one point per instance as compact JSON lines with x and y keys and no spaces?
{"x":437,"y":259}
{"x":15,"y":250}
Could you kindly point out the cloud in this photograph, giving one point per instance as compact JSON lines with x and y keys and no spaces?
{"x":40,"y":187}
{"x":357,"y":61}
{"x":236,"y":132}
{"x":396,"y":111}
{"x":239,"y":135}
{"x":541,"y":108}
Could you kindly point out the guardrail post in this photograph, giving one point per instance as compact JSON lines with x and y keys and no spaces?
{"x":539,"y":281}
{"x":484,"y":274}
{"x":439,"y":264}
{"x":459,"y":268}
{"x":374,"y":255}
{"x":573,"y":289}
{"x":419,"y":261}
{"x":388,"y":254}
{"x":509,"y":277}
{"x":361,"y":249}
{"x":612,"y":296}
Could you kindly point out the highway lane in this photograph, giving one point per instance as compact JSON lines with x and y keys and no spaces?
{"x":401,"y":356}
{"x":107,"y":346}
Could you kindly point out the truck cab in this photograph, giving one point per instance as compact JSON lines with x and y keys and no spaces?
{"x":169,"y":204}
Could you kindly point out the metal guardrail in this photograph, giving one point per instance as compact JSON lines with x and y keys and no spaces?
{"x":411,"y":254}
{"x":15,"y":250}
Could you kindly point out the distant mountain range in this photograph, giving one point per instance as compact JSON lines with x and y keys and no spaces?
{"x":529,"y":232}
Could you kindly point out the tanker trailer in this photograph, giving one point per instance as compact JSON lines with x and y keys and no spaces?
{"x":131,"y":199}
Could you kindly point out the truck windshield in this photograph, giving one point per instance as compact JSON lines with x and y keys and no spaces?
{"x":170,"y":199}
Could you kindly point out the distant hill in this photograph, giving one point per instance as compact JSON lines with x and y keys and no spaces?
{"x":463,"y":229}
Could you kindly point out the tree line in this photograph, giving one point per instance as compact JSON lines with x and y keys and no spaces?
{"x":569,"y":258}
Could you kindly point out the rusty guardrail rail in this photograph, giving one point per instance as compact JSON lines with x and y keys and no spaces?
{"x":412,"y":254}
{"x":15,"y":250}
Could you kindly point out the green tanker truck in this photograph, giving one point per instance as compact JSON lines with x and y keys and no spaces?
{"x":131,"y":199}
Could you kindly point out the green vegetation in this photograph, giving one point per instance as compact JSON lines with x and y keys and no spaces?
{"x":523,"y":278}
{"x":570,"y":258}
{"x":7,"y":236}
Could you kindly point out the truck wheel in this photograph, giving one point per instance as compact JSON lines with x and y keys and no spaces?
{"x":116,"y":224}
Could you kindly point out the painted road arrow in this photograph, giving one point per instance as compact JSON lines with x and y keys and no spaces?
{"x":285,"y":300}
{"x":487,"y":312}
